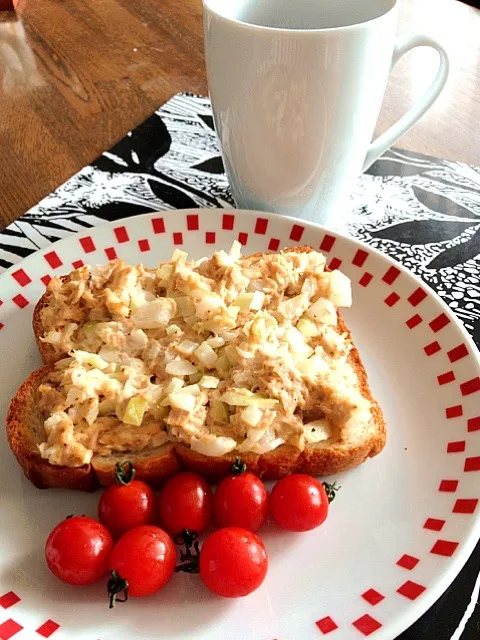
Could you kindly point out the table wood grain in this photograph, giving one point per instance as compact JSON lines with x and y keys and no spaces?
{"x":76,"y":75}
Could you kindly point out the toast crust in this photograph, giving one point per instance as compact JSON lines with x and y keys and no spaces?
{"x":24,"y":434}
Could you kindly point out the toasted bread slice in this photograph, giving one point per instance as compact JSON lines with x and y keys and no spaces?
{"x":25,"y":432}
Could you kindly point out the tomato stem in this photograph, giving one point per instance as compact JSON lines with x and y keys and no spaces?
{"x":331,"y":490}
{"x":238,"y":467}
{"x":189,"y":560}
{"x":124,"y":472}
{"x":116,"y":585}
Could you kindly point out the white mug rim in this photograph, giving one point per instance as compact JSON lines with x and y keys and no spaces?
{"x":207,"y":4}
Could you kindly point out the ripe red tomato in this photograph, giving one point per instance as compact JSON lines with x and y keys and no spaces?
{"x":145,"y":558}
{"x":185,"y":502}
{"x":298,"y":503}
{"x":77,"y":550}
{"x":127,"y":504}
{"x":233,"y":562}
{"x":240,"y":501}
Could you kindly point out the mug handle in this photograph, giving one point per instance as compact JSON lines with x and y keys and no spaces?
{"x":387,"y":139}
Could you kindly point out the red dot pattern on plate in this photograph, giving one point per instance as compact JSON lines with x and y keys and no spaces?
{"x":446,"y":377}
{"x":261,"y":226}
{"x":53,"y":259}
{"x":9,"y":599}
{"x":87,"y":244}
{"x":111,"y":253}
{"x":434,"y":524}
{"x":472,"y":464}
{"x":414,"y":321}
{"x":457,"y":353}
{"x":273,"y":244}
{"x":335,"y":263}
{"x":391,"y":275}
{"x":408,"y":562}
{"x":432,"y":348}
{"x":210,"y":237}
{"x":454,"y":412}
{"x":439,"y":323}
{"x":243,"y":238}
{"x":444,"y":548}
{"x":121,"y":234}
{"x":144,"y":245}
{"x":177,"y":238}
{"x":297,"y":232}
{"x":411,"y":590}
{"x":359,"y":258}
{"x":158,"y":225}
{"x":8,"y":629}
{"x":192,"y":222}
{"x":473,"y":424}
{"x":20,"y":300}
{"x":372,"y":596}
{"x":47,"y":628}
{"x":365,"y":279}
{"x":465,"y":505}
{"x":471,"y":386}
{"x":392,"y":299}
{"x":417,"y":296}
{"x":327,"y":243}
{"x":456,"y":447}
{"x":46,"y":279}
{"x":367,"y":625}
{"x":77,"y":264}
{"x":228,"y":221}
{"x":21,"y":277}
{"x":326,"y":625}
{"x":448,"y":486}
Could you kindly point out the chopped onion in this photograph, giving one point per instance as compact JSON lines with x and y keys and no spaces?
{"x":236,"y":250}
{"x":206,"y":355}
{"x":207,"y":304}
{"x":185,"y":306}
{"x":340,"y":289}
{"x":180,"y":367}
{"x":209,"y":382}
{"x":185,"y":401}
{"x":312,"y":367}
{"x":215,"y":342}
{"x":154,"y":314}
{"x":172,"y":330}
{"x":299,"y":348}
{"x":252,"y":415}
{"x":323,"y":310}
{"x":210,"y":445}
{"x":94,"y":360}
{"x":245,"y":398}
{"x":267,"y":442}
{"x":194,"y":389}
{"x":187,"y":347}
{"x":318,"y":430}
{"x":308,"y":328}
{"x":135,"y":411}
{"x":222,"y":365}
{"x":164,"y":272}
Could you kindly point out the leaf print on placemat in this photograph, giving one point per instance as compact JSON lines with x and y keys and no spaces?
{"x":457,"y":254}
{"x":423,"y":231}
{"x":441,"y":204}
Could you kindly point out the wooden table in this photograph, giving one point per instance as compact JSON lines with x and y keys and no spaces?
{"x":76,"y":75}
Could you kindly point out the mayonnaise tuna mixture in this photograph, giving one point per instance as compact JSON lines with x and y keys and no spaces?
{"x":226,"y":354}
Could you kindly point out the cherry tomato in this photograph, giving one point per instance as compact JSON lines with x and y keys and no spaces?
{"x":185,"y":502}
{"x":145,"y":558}
{"x":240,"y":500}
{"x":77,"y":550}
{"x":233,"y":562}
{"x":298,"y":503}
{"x":127,"y":504}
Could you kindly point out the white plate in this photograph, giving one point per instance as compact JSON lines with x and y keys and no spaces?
{"x":403,"y":524}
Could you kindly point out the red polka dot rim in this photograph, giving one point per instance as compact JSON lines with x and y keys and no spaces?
{"x":415,"y":528}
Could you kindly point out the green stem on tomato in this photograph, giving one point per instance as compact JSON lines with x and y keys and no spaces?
{"x":124,"y":472}
{"x":115,"y":586}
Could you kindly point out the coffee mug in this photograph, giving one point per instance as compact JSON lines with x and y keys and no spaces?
{"x":296,"y":88}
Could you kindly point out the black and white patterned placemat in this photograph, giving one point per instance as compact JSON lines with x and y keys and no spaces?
{"x":421,"y":211}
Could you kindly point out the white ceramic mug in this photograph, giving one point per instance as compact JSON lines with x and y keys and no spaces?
{"x":296,"y":88}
